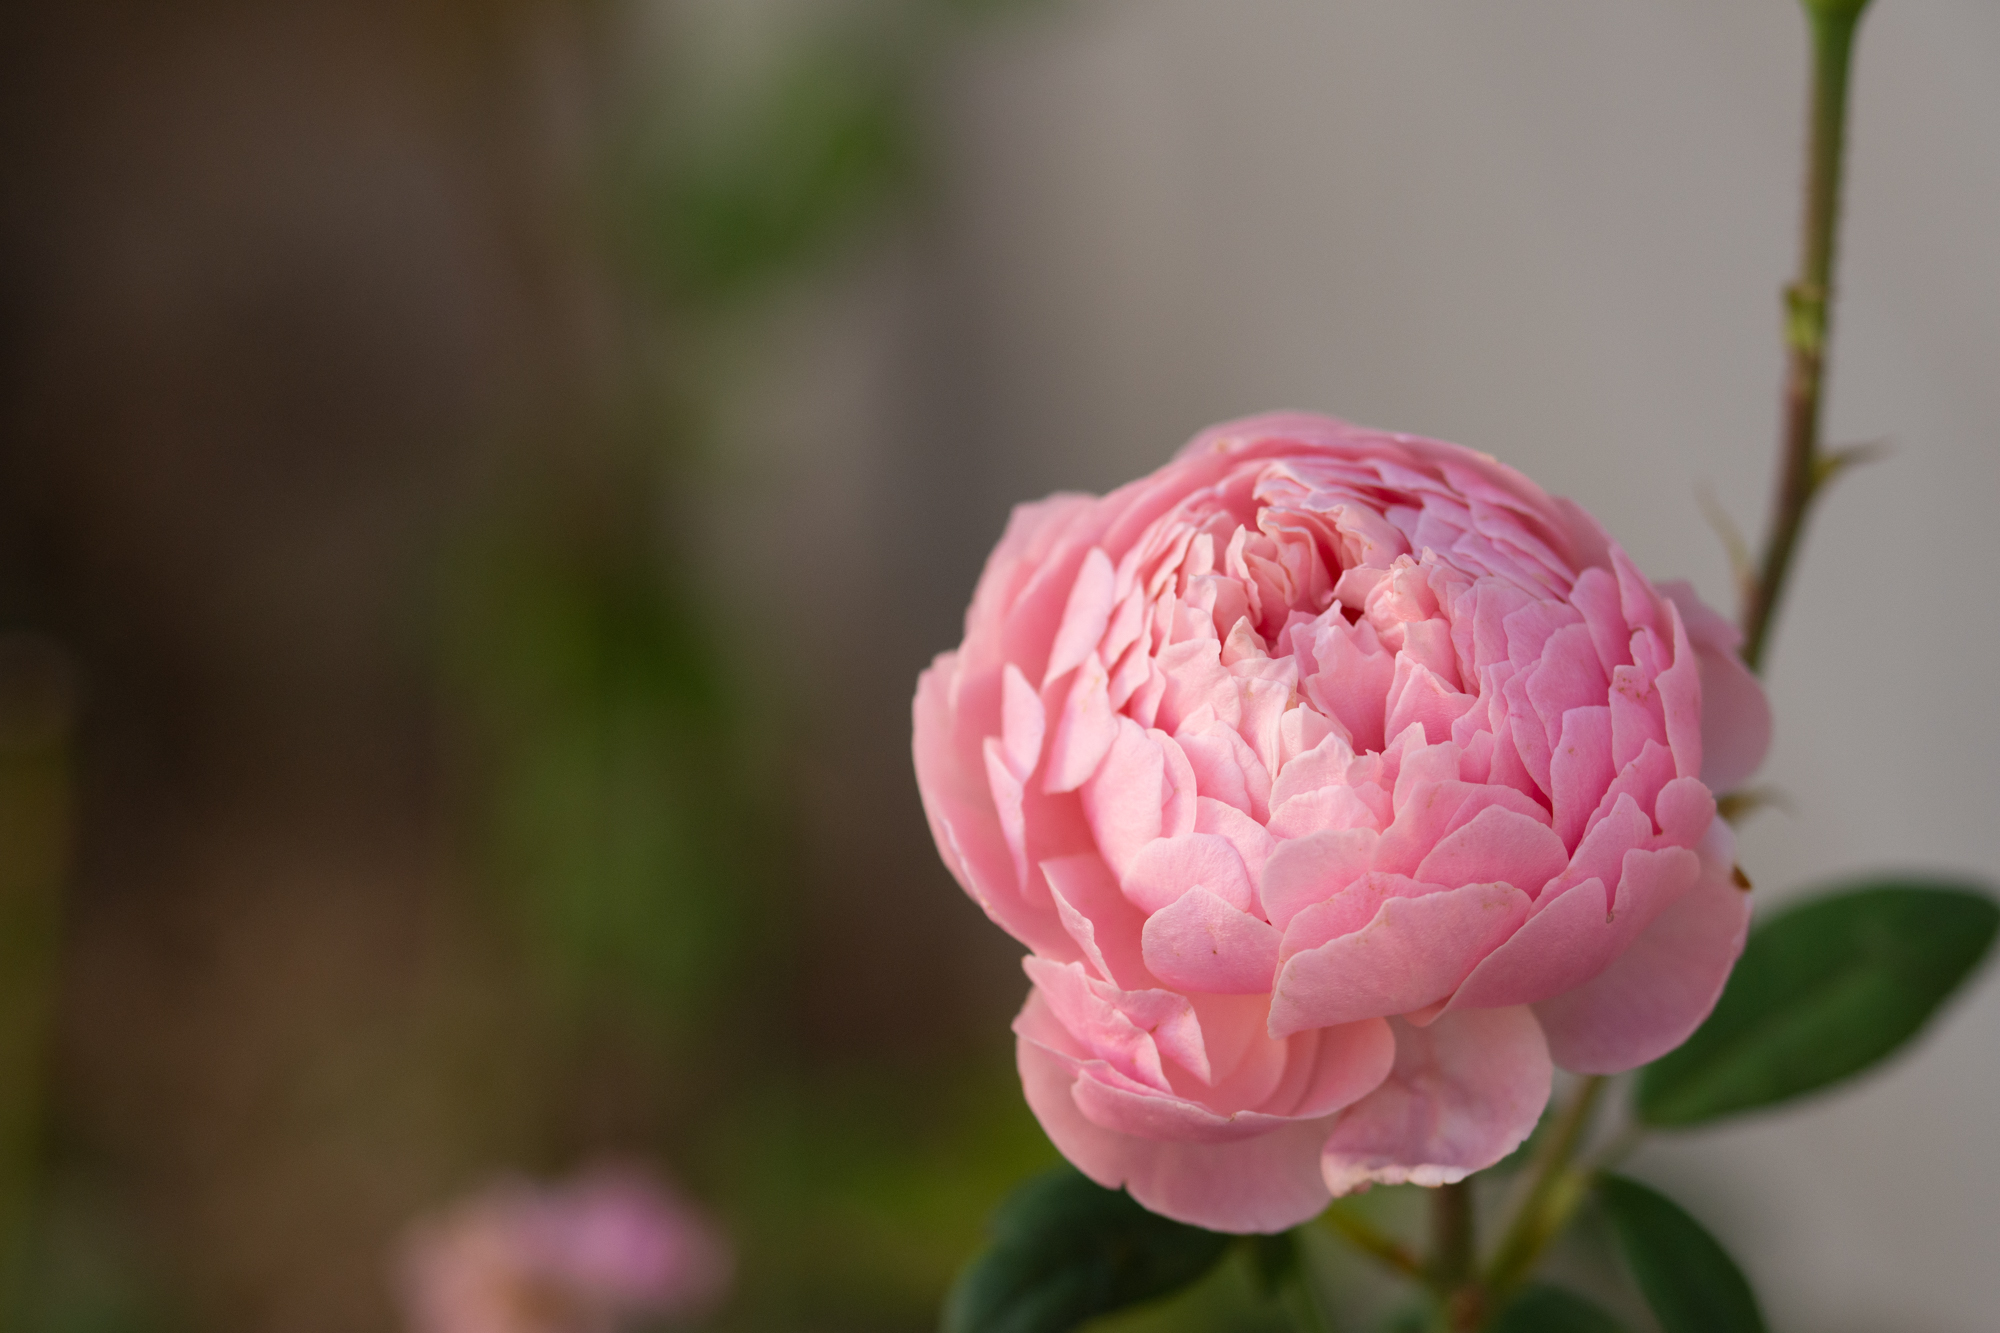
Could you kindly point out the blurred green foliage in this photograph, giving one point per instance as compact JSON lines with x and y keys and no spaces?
{"x":621,"y":812}
{"x":1539,"y":1308}
{"x":776,"y":187}
{"x":624,"y":760}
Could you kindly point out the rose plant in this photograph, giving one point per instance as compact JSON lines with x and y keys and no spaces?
{"x":1344,"y":785}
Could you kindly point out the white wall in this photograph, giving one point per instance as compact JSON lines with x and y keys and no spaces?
{"x":1556,"y":230}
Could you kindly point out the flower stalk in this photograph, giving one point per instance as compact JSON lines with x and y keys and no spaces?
{"x":1559,"y":1186}
{"x":1362,"y":1234}
{"x":1803,"y":466}
{"x":1452,"y":1270}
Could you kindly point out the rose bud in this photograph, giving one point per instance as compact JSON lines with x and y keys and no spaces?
{"x":1340,"y":784}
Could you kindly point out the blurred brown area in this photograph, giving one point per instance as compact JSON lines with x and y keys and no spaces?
{"x":267,"y":290}
{"x":290,"y":294}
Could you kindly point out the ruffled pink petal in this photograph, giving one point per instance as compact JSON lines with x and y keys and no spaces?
{"x":1327,"y":808}
{"x":1663,"y":985}
{"x":1166,"y":868}
{"x":1348,"y":910}
{"x":1127,"y":1030}
{"x":1352,"y":684}
{"x":1097,"y":916}
{"x":1085,"y":729}
{"x":1563,"y":945}
{"x":1641,"y":781}
{"x":1684,"y":811}
{"x":958,"y":804}
{"x":1601,"y":855}
{"x":1086,"y":615}
{"x":1735,"y":714}
{"x":1124,"y":798}
{"x":1576,"y":935}
{"x":1596,"y":596}
{"x":1735,"y":720}
{"x":1679,"y":688}
{"x":1415,"y":952}
{"x":1342,"y":1065}
{"x":1252,"y":841}
{"x":1324,"y":765}
{"x":1496,"y":845}
{"x":1034,"y":532}
{"x":1464,"y":1093}
{"x":1580,"y":769}
{"x":1308,"y":870}
{"x":1022,"y":724}
{"x":1265,"y":1183}
{"x":1202,"y":943}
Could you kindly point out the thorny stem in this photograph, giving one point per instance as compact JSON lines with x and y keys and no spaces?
{"x":1803,"y":468}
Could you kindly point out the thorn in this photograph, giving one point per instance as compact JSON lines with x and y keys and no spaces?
{"x":1836,"y":461}
{"x":1736,"y":805}
{"x":1742,"y":880}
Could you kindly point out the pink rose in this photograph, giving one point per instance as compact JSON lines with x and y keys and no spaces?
{"x":1340,"y":783}
{"x":589,"y":1256}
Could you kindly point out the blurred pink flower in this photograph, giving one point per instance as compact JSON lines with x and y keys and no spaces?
{"x":587,"y":1256}
{"x":1341,"y":783}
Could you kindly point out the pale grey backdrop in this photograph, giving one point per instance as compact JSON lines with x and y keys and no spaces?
{"x":1554,"y":230}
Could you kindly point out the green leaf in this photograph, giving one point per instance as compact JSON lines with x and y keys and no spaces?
{"x":1687,"y":1277}
{"x":1823,"y":991}
{"x":1066,"y":1249}
{"x":1545,"y":1309}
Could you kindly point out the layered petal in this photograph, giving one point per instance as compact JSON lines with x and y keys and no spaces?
{"x":1414,"y":952}
{"x":1268,"y":1181}
{"x":1464,"y":1092}
{"x":1657,"y":991}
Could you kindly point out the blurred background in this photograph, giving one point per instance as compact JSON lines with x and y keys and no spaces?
{"x":478,"y":479}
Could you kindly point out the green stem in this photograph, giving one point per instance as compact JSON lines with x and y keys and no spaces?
{"x":1802,"y":467}
{"x":1362,"y":1235}
{"x":1452,"y":1269}
{"x":1556,"y":1191}
{"x":1451,"y":1234}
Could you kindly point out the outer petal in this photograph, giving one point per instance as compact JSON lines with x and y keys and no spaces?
{"x":1735,"y":715}
{"x":1464,"y":1093}
{"x":1662,"y":987}
{"x":1263,"y":1184}
{"x":959,"y":805}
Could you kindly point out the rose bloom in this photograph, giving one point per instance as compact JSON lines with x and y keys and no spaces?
{"x":1341,"y":784}
{"x":589,"y":1256}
